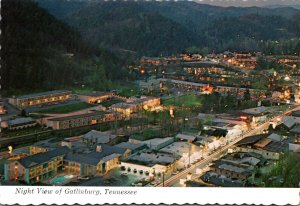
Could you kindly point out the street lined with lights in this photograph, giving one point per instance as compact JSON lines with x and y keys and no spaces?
{"x":176,"y":178}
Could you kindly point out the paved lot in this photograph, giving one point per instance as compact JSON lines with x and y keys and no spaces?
{"x":113,"y":178}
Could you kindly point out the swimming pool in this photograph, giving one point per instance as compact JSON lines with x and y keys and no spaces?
{"x":61,"y":180}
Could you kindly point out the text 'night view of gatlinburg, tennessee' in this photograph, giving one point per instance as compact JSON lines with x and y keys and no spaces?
{"x":150,"y":93}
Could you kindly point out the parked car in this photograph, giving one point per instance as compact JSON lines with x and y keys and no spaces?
{"x":83,"y":178}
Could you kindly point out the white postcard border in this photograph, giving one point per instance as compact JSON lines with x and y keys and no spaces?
{"x":35,"y":195}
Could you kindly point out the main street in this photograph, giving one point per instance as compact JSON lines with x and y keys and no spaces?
{"x":217,"y":154}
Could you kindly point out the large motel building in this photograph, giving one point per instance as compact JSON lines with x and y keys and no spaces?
{"x":70,"y":158}
{"x":38,"y":99}
{"x":135,"y":105}
{"x":79,"y":120}
{"x":35,"y":168}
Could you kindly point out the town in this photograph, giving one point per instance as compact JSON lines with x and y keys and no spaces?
{"x":188,"y":120}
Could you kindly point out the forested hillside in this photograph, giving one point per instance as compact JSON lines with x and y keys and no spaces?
{"x":147,"y":33}
{"x":40,"y":52}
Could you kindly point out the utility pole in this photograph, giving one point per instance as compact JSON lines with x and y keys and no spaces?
{"x":163,"y":178}
{"x":189,"y":156}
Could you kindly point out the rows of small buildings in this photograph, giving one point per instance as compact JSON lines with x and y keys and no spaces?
{"x":93,"y":154}
{"x":239,"y":166}
{"x":238,"y":60}
{"x":165,"y":83}
{"x":114,"y":112}
{"x":242,"y":61}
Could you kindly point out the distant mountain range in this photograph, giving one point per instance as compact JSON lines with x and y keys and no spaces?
{"x":154,"y":28}
{"x":282,"y":6}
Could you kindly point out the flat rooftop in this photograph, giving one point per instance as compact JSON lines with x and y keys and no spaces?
{"x":256,"y":111}
{"x":35,"y":95}
{"x":98,"y":113}
{"x":180,"y":148}
{"x":150,"y":158}
{"x":23,"y":120}
{"x":97,"y":94}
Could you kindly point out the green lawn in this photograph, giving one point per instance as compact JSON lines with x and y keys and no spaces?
{"x":110,"y":102}
{"x":188,"y":100}
{"x":82,"y":90}
{"x":67,"y":108}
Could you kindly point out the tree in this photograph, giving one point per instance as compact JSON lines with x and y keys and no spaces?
{"x":260,"y":84}
{"x":285,"y":172}
{"x":247,"y":95}
{"x":23,"y":113}
{"x":199,"y":126}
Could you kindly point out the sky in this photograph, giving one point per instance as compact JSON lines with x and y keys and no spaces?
{"x":247,"y":3}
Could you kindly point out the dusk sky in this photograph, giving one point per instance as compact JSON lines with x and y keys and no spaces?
{"x":247,"y":3}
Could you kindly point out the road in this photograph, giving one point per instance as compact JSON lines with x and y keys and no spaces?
{"x":217,"y":154}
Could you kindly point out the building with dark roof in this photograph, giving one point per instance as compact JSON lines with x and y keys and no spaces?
{"x":73,"y":159}
{"x":36,"y":168}
{"x":219,"y":180}
{"x":257,"y":114}
{"x":32,"y":100}
{"x":42,"y":146}
{"x":98,"y":137}
{"x":97,"y":162}
{"x":251,"y":139}
{"x":231,"y":170}
{"x":21,"y":123}
{"x":132,"y":147}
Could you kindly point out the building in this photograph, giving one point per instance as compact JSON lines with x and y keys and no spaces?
{"x":97,"y":137}
{"x":186,"y":137}
{"x":231,"y":170}
{"x":263,"y":153}
{"x":255,"y":115}
{"x":187,"y":85}
{"x":36,"y":168}
{"x":221,"y":181}
{"x":262,"y":145}
{"x":95,"y":163}
{"x":96,"y":97}
{"x":2,"y":108}
{"x":43,"y":146}
{"x":136,"y":105}
{"x":275,"y":137}
{"x":134,"y":148}
{"x":186,"y":153}
{"x":73,"y":121}
{"x":21,"y":123}
{"x":38,"y":99}
{"x":149,"y":163}
{"x":295,"y":145}
{"x":243,"y":61}
{"x":159,"y":61}
{"x":148,"y":102}
{"x":125,"y":108}
{"x":158,"y":143}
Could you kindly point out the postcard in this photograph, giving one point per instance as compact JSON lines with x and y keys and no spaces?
{"x":150,"y":102}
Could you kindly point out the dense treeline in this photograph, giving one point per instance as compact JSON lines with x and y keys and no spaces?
{"x":40,"y":52}
{"x":125,"y":28}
